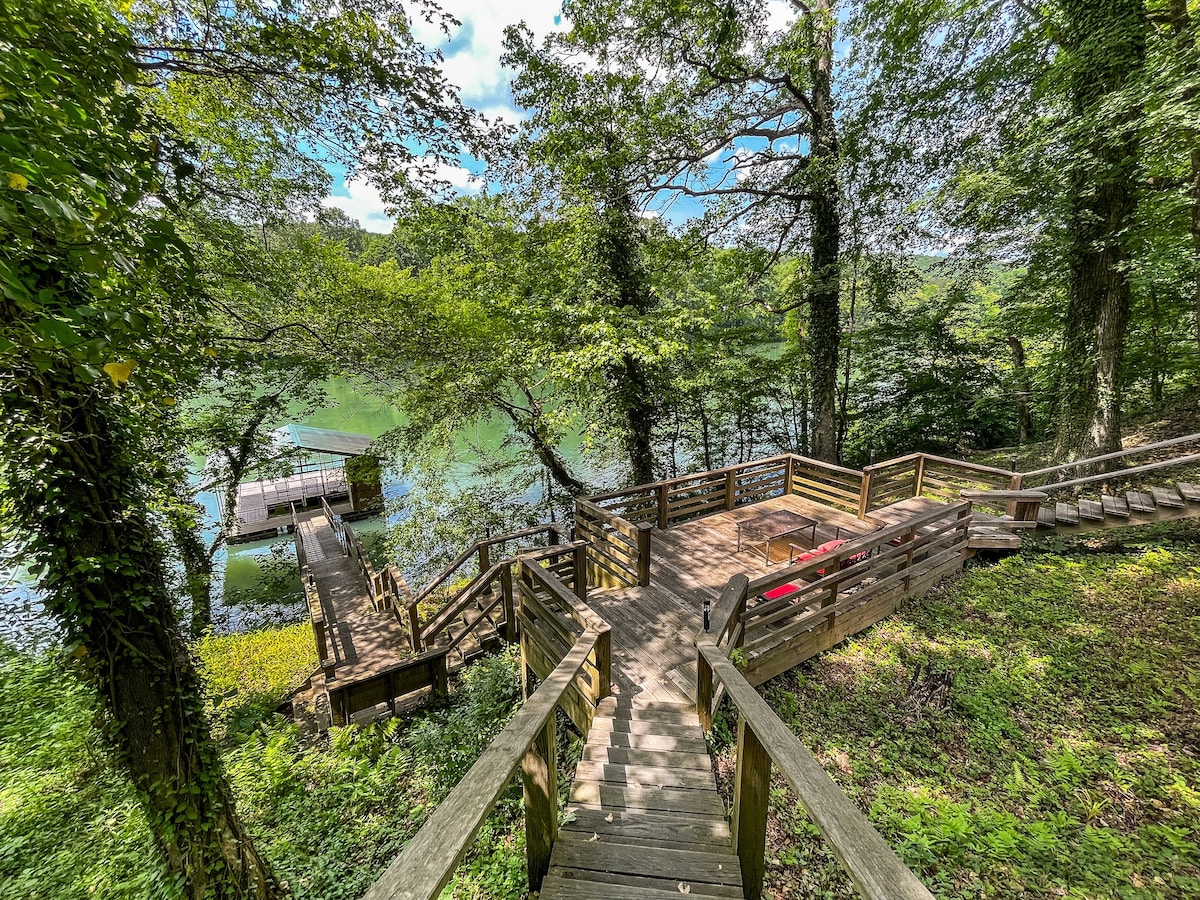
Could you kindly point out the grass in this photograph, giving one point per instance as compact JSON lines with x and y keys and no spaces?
{"x":329,"y":814}
{"x":1063,"y":760}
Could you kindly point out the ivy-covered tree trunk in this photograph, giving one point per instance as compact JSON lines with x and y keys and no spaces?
{"x":81,"y":495}
{"x":631,"y":382}
{"x":1106,"y":46}
{"x":1024,"y":389}
{"x":825,"y":318}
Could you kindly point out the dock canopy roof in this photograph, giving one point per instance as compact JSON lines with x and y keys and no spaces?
{"x":324,"y":440}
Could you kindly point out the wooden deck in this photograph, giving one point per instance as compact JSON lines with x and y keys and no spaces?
{"x":653,"y":626}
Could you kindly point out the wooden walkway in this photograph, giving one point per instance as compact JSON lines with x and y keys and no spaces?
{"x":360,"y":642}
{"x":653,"y":626}
{"x":644,"y":819}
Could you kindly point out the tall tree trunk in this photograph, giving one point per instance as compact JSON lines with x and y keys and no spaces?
{"x":1185,"y":34}
{"x":1024,"y":390}
{"x":825,"y":320}
{"x":105,"y":583}
{"x":1106,"y":44}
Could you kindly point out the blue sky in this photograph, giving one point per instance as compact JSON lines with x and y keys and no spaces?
{"x":472,"y":63}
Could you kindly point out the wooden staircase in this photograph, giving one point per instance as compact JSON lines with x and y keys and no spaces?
{"x":1158,"y":504}
{"x":644,"y":819}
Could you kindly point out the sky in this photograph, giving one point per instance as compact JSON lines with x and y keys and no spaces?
{"x":472,"y":63}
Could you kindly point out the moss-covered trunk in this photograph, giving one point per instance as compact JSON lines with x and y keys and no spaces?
{"x":82,"y":497}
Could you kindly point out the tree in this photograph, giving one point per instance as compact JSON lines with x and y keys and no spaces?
{"x":1104,"y":48}
{"x":94,"y":283}
{"x":742,"y":114}
{"x":576,"y":149}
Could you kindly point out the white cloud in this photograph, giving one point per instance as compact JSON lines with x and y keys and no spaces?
{"x":364,"y":204}
{"x":473,"y":51}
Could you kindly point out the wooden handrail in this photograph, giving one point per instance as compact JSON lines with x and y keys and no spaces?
{"x":463,"y":557}
{"x":763,"y":740}
{"x":679,"y":479}
{"x":425,"y":865}
{"x":821,"y":464}
{"x":1135,"y":470}
{"x":1132,"y":451}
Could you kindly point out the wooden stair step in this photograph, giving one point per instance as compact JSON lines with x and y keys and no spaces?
{"x":690,"y":866}
{"x":649,"y":826}
{"x":1090,"y":509}
{"x":1046,"y":517}
{"x":645,"y":727}
{"x":580,"y":884}
{"x":625,"y":756}
{"x":1066,"y":514}
{"x":610,"y":797}
{"x":1115,"y":506}
{"x":1190,"y":492}
{"x":657,"y":776}
{"x":684,"y":743}
{"x":1167,"y":497}
{"x":1139,"y":502}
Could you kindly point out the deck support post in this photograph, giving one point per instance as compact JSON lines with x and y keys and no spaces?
{"x":789,"y":475}
{"x":730,"y":489}
{"x":664,"y":495}
{"x":643,"y":534}
{"x":539,"y":780}
{"x":751,"y":791}
{"x":510,"y":613}
{"x":919,"y":476}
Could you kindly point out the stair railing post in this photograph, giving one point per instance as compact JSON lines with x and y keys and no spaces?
{"x":414,"y":627}
{"x":751,"y":791}
{"x":579,"y":572}
{"x":485,"y":558}
{"x":704,"y":692}
{"x":510,"y":612}
{"x":539,"y":781}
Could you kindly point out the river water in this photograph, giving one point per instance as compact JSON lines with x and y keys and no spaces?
{"x":239,"y":568}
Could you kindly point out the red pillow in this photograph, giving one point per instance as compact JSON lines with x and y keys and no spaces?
{"x":782,"y":591}
{"x":831,"y":545}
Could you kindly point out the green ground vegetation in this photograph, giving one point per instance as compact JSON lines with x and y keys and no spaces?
{"x":1028,"y":729}
{"x":329,"y":813}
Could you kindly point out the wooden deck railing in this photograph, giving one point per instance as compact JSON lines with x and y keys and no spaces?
{"x":927,"y":475}
{"x":312,"y":599}
{"x":618,"y":550}
{"x":765,"y":741}
{"x":838,"y":593}
{"x":425,"y":865}
{"x":552,"y":617}
{"x":396,"y":681}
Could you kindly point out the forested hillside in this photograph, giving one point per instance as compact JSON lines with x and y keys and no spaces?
{"x":685,"y":236}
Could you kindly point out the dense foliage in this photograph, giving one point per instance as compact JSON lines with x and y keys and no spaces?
{"x":329,"y":814}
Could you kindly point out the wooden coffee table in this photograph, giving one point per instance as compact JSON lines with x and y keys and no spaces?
{"x":773,"y":526}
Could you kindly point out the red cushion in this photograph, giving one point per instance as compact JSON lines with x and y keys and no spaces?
{"x":831,"y":545}
{"x":782,"y":591}
{"x":806,"y":556}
